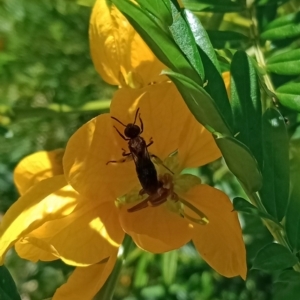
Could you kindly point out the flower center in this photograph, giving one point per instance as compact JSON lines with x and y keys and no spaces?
{"x":170,"y":186}
{"x":162,"y":194}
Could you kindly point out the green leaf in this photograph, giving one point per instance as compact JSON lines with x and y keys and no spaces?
{"x":246,"y":104}
{"x":287,"y":286}
{"x":141,"y":274}
{"x":292,"y":221}
{"x":8,"y":289}
{"x":158,"y":8}
{"x":274,"y":257}
{"x":220,"y":38}
{"x":86,"y":2}
{"x":289,"y":95}
{"x":287,"y":63}
{"x":169,"y":266}
{"x":160,"y":41}
{"x":201,"y":37}
{"x":282,"y":28}
{"x":275,"y":191}
{"x":289,"y":276}
{"x":215,"y":85}
{"x":200,"y":103}
{"x":215,"y":5}
{"x":245,"y":206}
{"x":240,"y":162}
{"x":269,"y":2}
{"x":184,"y":38}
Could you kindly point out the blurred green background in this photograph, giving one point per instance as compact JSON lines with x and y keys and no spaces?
{"x":49,"y":88}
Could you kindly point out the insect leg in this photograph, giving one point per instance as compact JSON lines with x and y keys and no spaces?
{"x":152,"y":201}
{"x":121,"y":160}
{"x":150,"y":142}
{"x":124,"y":153}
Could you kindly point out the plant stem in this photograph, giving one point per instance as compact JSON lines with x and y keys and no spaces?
{"x":275,"y":230}
{"x":108,"y":289}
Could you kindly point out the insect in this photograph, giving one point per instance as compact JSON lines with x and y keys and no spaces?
{"x":145,"y":169}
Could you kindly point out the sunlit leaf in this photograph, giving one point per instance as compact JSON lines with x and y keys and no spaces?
{"x":282,"y":28}
{"x":184,"y":38}
{"x":160,"y":9}
{"x":199,"y":102}
{"x":287,"y":63}
{"x":289,"y":95}
{"x":160,"y":41}
{"x":214,"y":82}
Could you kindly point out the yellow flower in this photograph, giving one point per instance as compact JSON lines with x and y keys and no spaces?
{"x":226,"y":78}
{"x":119,"y":54}
{"x":51,"y":221}
{"x":176,"y":221}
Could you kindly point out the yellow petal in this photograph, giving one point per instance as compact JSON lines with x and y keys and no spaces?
{"x":197,"y":146}
{"x":34,"y":249}
{"x":85,"y":237}
{"x":85,"y":282}
{"x":150,"y":244}
{"x":220,"y":242}
{"x":37,"y":167}
{"x":226,"y":78}
{"x":85,"y":162}
{"x":47,"y":200}
{"x":162,"y":111}
{"x":157,"y":223}
{"x":119,"y":54}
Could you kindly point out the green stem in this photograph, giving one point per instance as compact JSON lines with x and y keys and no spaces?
{"x":269,"y":88}
{"x":53,"y":110}
{"x":108,"y":289}
{"x":274,"y":229}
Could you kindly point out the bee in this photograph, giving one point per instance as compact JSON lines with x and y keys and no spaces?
{"x":145,"y":169}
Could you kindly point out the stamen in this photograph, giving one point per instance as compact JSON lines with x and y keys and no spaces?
{"x":203,"y":219}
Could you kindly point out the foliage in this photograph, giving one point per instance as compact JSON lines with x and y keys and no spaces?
{"x":49,"y":88}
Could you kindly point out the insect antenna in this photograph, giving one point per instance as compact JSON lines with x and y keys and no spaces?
{"x":118,"y":121}
{"x":136,"y":115}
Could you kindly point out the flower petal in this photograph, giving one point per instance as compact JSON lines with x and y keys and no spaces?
{"x":119,"y":54}
{"x":85,"y":162}
{"x":220,"y":242}
{"x":47,"y":200}
{"x":197,"y":146}
{"x":85,"y":237}
{"x":34,"y":249}
{"x":226,"y":78}
{"x":37,"y":167}
{"x":85,"y":282}
{"x":150,"y":244}
{"x":162,"y":119}
{"x":157,"y":223}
